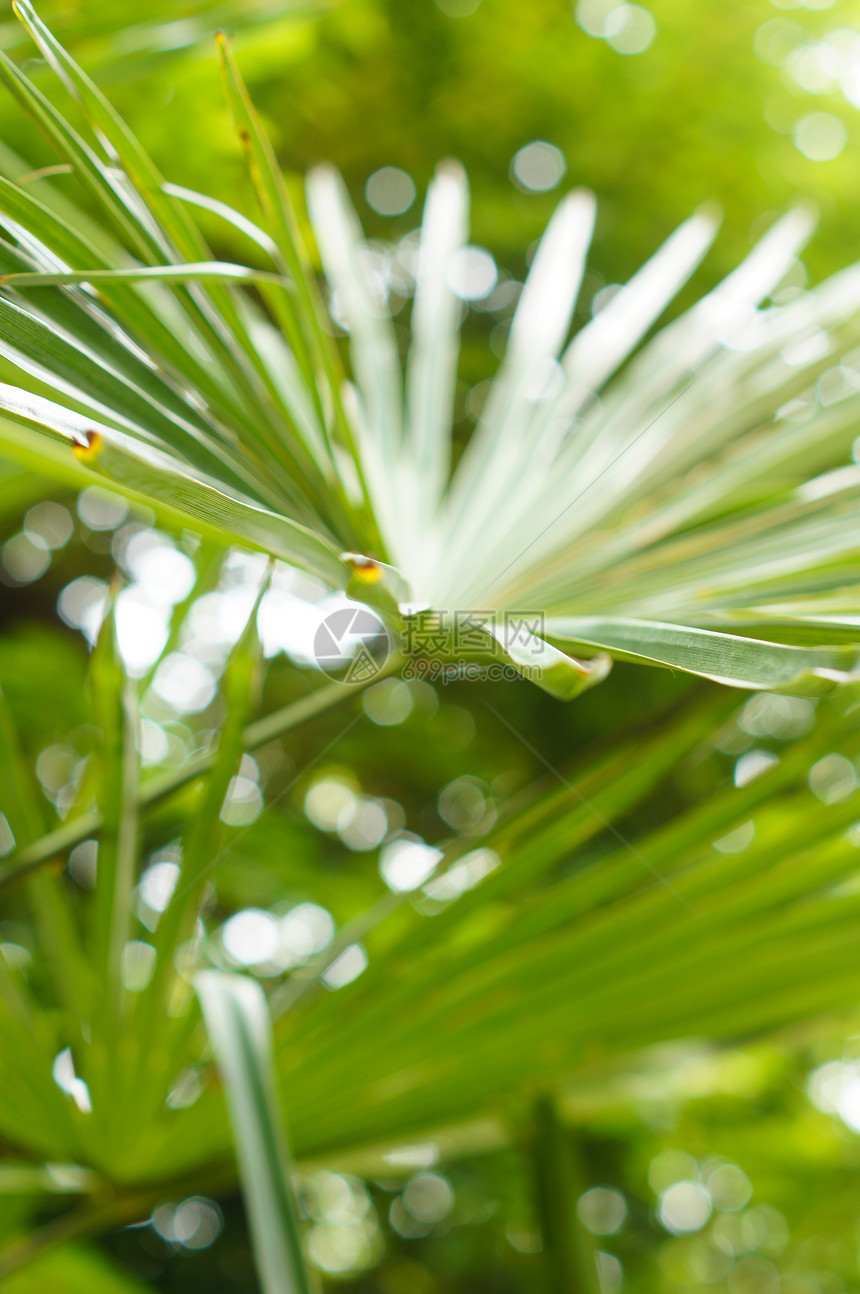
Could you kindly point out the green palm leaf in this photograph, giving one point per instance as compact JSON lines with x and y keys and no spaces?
{"x":645,"y":498}
{"x":237,"y":1019}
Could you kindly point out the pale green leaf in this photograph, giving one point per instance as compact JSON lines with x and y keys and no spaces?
{"x":237,"y":1019}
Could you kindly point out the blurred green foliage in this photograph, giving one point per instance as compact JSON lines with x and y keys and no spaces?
{"x":368,"y":83}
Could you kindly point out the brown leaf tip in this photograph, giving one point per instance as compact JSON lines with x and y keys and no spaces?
{"x":88,"y":446}
{"x":366,"y":569}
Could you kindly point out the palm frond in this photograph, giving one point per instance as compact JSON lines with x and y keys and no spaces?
{"x":661,"y":498}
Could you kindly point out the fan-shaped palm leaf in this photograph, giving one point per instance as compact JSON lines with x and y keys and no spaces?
{"x":660,"y":499}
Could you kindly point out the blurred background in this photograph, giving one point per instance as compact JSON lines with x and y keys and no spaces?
{"x":736,"y":1170}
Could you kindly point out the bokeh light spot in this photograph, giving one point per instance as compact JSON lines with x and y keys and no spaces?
{"x":390,"y":191}
{"x":602,"y":1210}
{"x":820,"y":136}
{"x":406,"y":864}
{"x":538,"y":167}
{"x":630,"y":29}
{"x":345,"y":968}
{"x":685,"y":1207}
{"x":472,"y":273}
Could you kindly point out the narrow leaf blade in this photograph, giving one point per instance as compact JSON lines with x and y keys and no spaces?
{"x":239,"y":1026}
